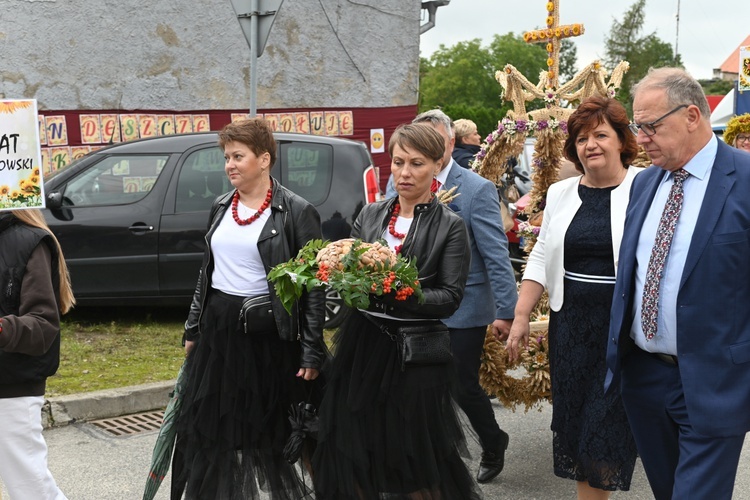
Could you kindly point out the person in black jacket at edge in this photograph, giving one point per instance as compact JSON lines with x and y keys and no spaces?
{"x":243,"y":376}
{"x":35,"y":291}
{"x":468,"y":142}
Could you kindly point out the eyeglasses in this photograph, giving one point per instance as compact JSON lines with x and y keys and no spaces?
{"x":742,"y":138}
{"x":649,"y":128}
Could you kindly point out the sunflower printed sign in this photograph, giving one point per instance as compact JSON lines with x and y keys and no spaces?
{"x":744,"y":83}
{"x":20,"y":156}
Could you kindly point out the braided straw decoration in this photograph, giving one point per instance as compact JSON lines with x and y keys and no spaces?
{"x":531,"y":390}
{"x":495,"y":163}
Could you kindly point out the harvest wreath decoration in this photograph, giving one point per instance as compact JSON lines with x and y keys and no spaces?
{"x":352,"y":267}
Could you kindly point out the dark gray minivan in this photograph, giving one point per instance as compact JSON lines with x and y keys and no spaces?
{"x":131,"y":217}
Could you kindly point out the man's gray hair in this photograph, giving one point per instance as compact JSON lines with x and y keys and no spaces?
{"x":678,"y":85}
{"x":436,"y":117}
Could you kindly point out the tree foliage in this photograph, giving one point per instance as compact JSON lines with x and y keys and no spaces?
{"x":626,"y":43}
{"x":716,"y":86}
{"x":461,"y":79}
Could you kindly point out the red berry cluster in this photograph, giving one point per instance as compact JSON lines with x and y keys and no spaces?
{"x":322,"y":273}
{"x":404,"y":292}
{"x":388,"y":281}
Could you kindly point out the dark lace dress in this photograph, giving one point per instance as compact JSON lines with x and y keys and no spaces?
{"x":591,"y":436}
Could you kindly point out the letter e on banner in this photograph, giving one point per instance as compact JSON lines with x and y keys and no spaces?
{"x":201,"y":123}
{"x":346,"y":123}
{"x":110,"y":128}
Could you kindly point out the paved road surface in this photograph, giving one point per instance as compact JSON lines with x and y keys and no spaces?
{"x":90,"y":465}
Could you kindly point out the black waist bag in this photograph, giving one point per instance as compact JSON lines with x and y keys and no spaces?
{"x":256,"y":315}
{"x":424,"y":344}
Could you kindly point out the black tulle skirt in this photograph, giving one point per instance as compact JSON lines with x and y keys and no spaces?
{"x":384,"y":432}
{"x":233,"y":423}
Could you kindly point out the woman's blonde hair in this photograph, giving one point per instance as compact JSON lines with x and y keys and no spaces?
{"x":34,"y":218}
{"x":464,"y":127}
{"x":735,"y":126}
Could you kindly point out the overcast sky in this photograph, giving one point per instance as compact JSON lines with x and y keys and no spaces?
{"x":708,"y":30}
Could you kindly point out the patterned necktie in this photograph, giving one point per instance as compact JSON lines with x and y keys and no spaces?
{"x":436,"y":185}
{"x":664,"y":233}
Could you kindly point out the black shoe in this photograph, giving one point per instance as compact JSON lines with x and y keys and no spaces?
{"x":492,"y":463}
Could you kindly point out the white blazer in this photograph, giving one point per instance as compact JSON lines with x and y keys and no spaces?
{"x":545,"y":264}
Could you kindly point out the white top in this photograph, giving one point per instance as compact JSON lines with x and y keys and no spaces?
{"x":545,"y":264}
{"x":402,"y":226}
{"x":238,"y":269}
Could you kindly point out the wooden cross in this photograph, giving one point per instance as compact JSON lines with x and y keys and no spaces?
{"x":551,"y":36}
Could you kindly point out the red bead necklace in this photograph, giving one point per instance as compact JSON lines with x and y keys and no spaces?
{"x":256,"y":215}
{"x":392,"y":227}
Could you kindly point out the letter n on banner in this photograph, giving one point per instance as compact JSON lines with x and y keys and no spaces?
{"x":57,"y":131}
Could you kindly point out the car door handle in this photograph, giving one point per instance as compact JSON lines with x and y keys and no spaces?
{"x":140,"y":228}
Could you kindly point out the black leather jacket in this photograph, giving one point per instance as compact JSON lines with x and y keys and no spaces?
{"x":293,"y":222}
{"x":439,"y":240}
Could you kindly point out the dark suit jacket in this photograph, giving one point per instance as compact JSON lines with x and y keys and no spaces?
{"x":713,"y":303}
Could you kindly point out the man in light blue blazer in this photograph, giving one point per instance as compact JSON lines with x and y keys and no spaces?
{"x":686,"y":390}
{"x":489,"y":298}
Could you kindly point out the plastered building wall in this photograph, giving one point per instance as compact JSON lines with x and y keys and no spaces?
{"x":183,"y":55}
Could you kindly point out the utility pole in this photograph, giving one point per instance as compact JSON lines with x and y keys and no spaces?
{"x":677,"y":32}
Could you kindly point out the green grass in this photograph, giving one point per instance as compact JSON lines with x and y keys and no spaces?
{"x":107,"y":348}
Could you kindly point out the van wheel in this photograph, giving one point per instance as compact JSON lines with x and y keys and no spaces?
{"x":336,"y":310}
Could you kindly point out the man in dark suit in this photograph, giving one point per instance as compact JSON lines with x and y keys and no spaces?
{"x":489,"y":297}
{"x":680,"y":326}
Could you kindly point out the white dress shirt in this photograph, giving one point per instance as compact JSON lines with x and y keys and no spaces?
{"x":694,"y":189}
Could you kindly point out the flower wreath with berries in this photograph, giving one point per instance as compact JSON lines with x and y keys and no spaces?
{"x":354,"y":268}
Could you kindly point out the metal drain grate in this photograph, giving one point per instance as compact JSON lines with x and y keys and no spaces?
{"x":131,"y":424}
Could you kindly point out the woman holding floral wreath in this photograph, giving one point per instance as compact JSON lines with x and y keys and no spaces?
{"x":575,"y":258}
{"x":388,"y":429}
{"x":244,"y":374}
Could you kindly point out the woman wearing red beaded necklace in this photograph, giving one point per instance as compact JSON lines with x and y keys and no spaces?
{"x":242,"y":378}
{"x":387,"y":430}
